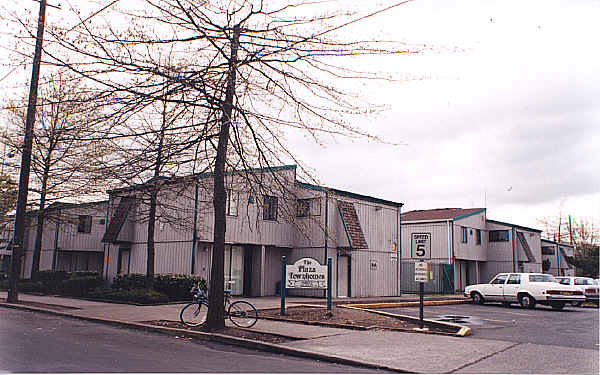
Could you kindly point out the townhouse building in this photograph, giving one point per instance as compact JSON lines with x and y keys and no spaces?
{"x":474,"y":247}
{"x":70,"y":239}
{"x":558,"y":253}
{"x":270,"y":214}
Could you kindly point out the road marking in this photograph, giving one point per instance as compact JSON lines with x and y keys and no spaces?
{"x":495,"y":320}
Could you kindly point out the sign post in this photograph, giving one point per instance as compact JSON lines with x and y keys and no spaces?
{"x":421,"y":278}
{"x":282,"y":286}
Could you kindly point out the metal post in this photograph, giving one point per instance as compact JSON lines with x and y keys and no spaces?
{"x":421,"y":305}
{"x":282,"y":286}
{"x":328,"y":284}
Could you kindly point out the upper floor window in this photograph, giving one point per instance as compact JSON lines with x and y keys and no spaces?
{"x":478,"y":236}
{"x":233,"y":197}
{"x":303,"y":208}
{"x":498,"y":235}
{"x":547,"y":250}
{"x":270,"y":208}
{"x":464,"y":235}
{"x":85,"y":224}
{"x":308,"y":207}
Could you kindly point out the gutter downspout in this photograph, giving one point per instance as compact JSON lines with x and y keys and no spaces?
{"x":513,"y":249}
{"x":105,"y":245}
{"x":193,"y":266}
{"x":398,"y":254}
{"x":54,"y":254}
{"x":449,"y":243}
{"x":326,"y":232}
{"x":557,"y":260}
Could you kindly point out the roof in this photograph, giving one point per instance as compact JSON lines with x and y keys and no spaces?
{"x":440,"y":214}
{"x":514,"y":225}
{"x":349,"y":194}
{"x":356,"y":237}
{"x":198,"y":176}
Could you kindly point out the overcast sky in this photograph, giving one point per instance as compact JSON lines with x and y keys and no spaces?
{"x":506,"y":115}
{"x":503,"y":110}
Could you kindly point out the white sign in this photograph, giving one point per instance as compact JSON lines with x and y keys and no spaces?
{"x":421,"y":272}
{"x":421,"y":245}
{"x":306,"y":273}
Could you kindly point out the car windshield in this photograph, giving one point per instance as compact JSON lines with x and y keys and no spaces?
{"x":541,"y":279}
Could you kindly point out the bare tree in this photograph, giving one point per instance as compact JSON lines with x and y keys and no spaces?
{"x":253,"y":71}
{"x":62,"y":159}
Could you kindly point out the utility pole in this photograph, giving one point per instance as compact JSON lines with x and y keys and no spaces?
{"x":19,"y":233}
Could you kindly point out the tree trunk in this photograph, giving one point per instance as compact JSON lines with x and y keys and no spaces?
{"x":216,"y":309}
{"x":37,"y":250}
{"x":151,"y":249}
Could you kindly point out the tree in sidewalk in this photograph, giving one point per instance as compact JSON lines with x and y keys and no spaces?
{"x":151,"y":148}
{"x":65,"y":148}
{"x":254,"y":71}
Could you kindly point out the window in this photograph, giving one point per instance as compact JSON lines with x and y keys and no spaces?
{"x":270,"y":208}
{"x":541,"y":279}
{"x":233,"y":197}
{"x":478,"y":236}
{"x":563,"y":281}
{"x":583,"y":282}
{"x":500,"y":279}
{"x":464,"y":235}
{"x":547,"y":250}
{"x":514,"y":279}
{"x":308,"y":207}
{"x":85,"y":224}
{"x":498,"y":236}
{"x":303,"y":208}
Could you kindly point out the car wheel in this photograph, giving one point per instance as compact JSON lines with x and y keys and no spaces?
{"x":477,"y":298}
{"x":527,"y":301}
{"x":557,"y":305}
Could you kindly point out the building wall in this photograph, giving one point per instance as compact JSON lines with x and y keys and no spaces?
{"x":440,"y":240}
{"x":470,"y":250}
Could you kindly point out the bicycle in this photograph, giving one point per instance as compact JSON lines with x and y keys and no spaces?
{"x":241,"y":313}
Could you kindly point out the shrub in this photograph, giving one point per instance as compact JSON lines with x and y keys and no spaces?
{"x":129,"y":281}
{"x":51,"y":281}
{"x":81,"y":286}
{"x":177,"y":287}
{"x":139,"y":295}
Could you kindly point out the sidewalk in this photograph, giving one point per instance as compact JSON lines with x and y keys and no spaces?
{"x":394,"y":351}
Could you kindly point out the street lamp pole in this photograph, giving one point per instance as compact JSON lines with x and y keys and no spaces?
{"x":19,"y":233}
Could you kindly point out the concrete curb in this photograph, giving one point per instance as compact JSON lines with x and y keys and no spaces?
{"x":215,"y":337}
{"x":386,"y":305}
{"x":462,"y":330}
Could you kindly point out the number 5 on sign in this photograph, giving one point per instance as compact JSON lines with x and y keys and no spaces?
{"x":421,"y":245}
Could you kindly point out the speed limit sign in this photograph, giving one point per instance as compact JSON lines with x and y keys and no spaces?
{"x":421,"y":245}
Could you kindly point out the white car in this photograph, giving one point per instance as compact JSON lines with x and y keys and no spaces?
{"x":586,"y":284}
{"x":528,"y":289}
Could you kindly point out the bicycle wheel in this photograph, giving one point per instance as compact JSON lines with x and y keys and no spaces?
{"x":242,"y":314}
{"x":193,"y":314}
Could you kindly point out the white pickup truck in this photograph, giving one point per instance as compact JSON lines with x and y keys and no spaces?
{"x":526,"y":289}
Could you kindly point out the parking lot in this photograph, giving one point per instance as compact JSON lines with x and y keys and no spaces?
{"x":575,"y":327}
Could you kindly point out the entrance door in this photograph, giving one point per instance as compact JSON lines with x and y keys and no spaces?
{"x":234,"y":269}
{"x":342,"y":276}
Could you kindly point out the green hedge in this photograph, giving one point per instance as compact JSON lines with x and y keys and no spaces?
{"x":138,"y":295}
{"x":175,"y":286}
{"x":81,"y":286}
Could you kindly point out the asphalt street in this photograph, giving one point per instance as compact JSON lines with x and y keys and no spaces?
{"x":32,"y":342}
{"x":572,"y":327}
